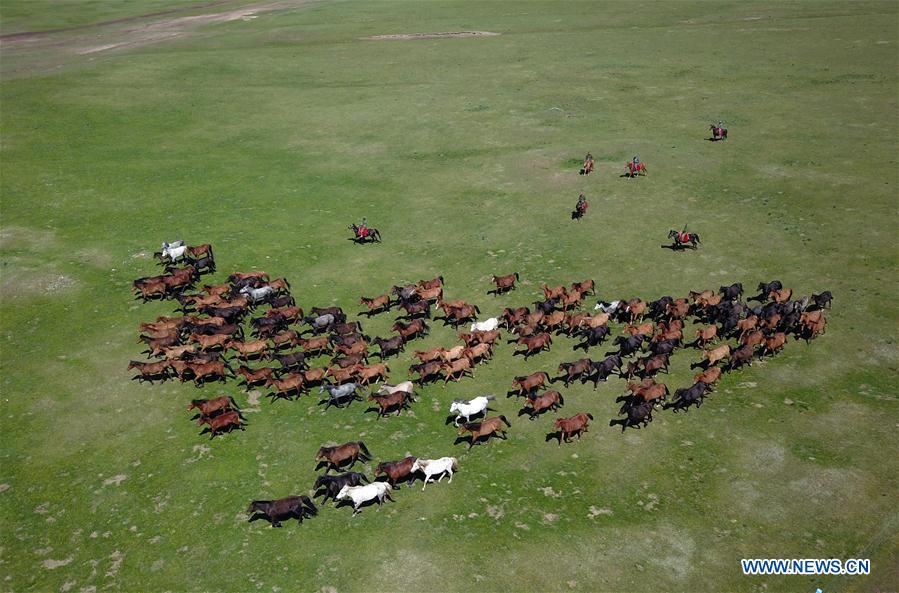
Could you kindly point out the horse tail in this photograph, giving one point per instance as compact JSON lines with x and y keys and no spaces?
{"x":364,"y":449}
{"x":456,"y":464}
{"x":503,"y":418}
{"x":477,"y":309}
{"x":590,"y":416}
{"x":545,"y":375}
{"x":516,"y":275}
{"x":697,"y":238}
{"x":561,"y":399}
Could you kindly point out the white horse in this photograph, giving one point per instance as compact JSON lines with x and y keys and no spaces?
{"x":608,"y":308}
{"x":485,"y":326}
{"x":173,"y":252}
{"x":257,"y":294}
{"x":432,"y":467}
{"x":469,"y":408}
{"x":387,"y":388}
{"x":361,"y":494}
{"x":178,"y":243}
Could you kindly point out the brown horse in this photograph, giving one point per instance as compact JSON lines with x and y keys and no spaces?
{"x":528,"y":384}
{"x":550,"y":400}
{"x":636,"y":308}
{"x":678,"y":309}
{"x":706,"y":334}
{"x":454,"y":353}
{"x":753,"y":338}
{"x":512,"y":317}
{"x":781,"y":296}
{"x":587,"y":286}
{"x":247,"y":349}
{"x":378,"y":304}
{"x":710,"y":376}
{"x":340,"y":455}
{"x":774,"y":343}
{"x":360,"y":347}
{"x":221,"y":423}
{"x":571,"y":299}
{"x":254,"y":376}
{"x":456,"y":370}
{"x":150,"y":370}
{"x":432,"y":283}
{"x":397,"y":470}
{"x":376,"y":371}
{"x":478,"y":353}
{"x":646,"y":329}
{"x":504,"y":283}
{"x":316,"y":345}
{"x":551,"y":293}
{"x":413,"y":329}
{"x":716,"y":354}
{"x":746,"y":325}
{"x":534,"y":344}
{"x":485,"y":428}
{"x":208,"y":407}
{"x":292,"y":384}
{"x":575,"y":370}
{"x":431,"y":294}
{"x":575,"y":425}
{"x":428,"y":355}
{"x":394,"y":399}
{"x":342,"y":375}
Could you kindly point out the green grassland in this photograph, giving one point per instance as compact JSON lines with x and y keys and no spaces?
{"x":266,"y":137}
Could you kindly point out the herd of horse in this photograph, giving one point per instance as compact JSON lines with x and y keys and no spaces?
{"x":251,"y":318}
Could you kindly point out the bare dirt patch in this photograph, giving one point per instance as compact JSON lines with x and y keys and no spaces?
{"x":443,"y":35}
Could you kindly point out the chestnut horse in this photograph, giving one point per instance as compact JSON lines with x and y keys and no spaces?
{"x":504,"y":283}
{"x":575,"y":425}
{"x":534,"y":344}
{"x":527,"y":385}
{"x":485,"y":428}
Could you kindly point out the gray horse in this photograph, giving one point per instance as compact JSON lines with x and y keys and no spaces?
{"x":340,"y":395}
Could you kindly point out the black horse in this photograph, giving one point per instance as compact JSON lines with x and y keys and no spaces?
{"x":330,"y":486}
{"x":292,"y":507}
{"x":366,"y":235}
{"x":638,"y":414}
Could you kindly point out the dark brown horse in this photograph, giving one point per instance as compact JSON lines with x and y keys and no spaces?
{"x":395,"y":399}
{"x":340,"y":455}
{"x":397,"y":470}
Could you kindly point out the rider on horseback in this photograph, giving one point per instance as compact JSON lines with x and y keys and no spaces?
{"x":582,"y":205}
{"x":363,"y":228}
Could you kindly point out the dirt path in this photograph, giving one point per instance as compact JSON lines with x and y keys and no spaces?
{"x":40,"y":51}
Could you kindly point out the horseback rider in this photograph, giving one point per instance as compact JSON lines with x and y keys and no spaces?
{"x":582,"y":204}
{"x":636,"y":162}
{"x":363,"y":228}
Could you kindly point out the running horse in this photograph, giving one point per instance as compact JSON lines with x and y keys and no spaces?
{"x":682,"y":239}
{"x":363,"y":234}
{"x":634,"y":170}
{"x":718,"y":132}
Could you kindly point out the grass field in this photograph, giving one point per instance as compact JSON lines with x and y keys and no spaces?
{"x":267,"y":133}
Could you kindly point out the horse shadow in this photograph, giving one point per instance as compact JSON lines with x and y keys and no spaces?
{"x":481,"y":440}
{"x":532,"y":415}
{"x":676,"y":247}
{"x":349,"y":502}
{"x":556,"y":435}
